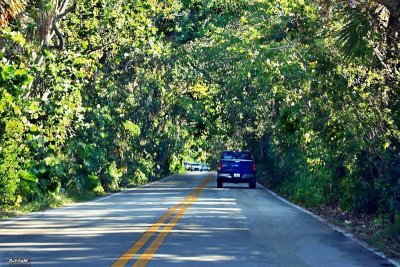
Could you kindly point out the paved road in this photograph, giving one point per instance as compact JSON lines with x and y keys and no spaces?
{"x":183,"y":220}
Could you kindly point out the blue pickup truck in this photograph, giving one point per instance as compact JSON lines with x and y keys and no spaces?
{"x":236,"y":167}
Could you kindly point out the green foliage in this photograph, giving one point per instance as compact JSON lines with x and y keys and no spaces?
{"x":319,"y":117}
{"x":352,"y":38}
{"x":132,"y":129}
{"x":108,"y":179}
{"x":92,"y":182}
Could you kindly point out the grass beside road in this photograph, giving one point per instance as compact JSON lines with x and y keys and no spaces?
{"x":45,"y":203}
{"x":59,"y":200}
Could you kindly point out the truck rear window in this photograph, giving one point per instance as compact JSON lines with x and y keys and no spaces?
{"x":236,"y":155}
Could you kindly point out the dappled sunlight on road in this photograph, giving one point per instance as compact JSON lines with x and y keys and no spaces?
{"x":193,"y":240}
{"x":219,"y":226}
{"x":197,"y":258}
{"x":99,"y":231}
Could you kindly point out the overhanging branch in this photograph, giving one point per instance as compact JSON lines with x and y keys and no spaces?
{"x":59,"y":34}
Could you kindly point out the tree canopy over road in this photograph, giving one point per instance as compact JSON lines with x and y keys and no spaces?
{"x":96,"y":95}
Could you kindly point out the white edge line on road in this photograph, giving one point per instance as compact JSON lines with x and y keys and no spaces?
{"x":336,"y":228}
{"x":68,"y":206}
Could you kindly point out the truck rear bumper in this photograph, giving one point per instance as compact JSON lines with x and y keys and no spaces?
{"x":243,"y":178}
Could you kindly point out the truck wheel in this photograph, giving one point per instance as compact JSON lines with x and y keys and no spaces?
{"x":252,"y":185}
{"x":219,"y":184}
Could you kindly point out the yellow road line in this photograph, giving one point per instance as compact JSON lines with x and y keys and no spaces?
{"x":144,"y":259}
{"x":131,"y":252}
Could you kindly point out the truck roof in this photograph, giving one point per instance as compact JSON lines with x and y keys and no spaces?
{"x":231,"y":154}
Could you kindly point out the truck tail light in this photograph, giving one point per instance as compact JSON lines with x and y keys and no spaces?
{"x":254,"y":167}
{"x":219,"y":166}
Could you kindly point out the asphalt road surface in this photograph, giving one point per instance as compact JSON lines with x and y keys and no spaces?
{"x":183,"y":220}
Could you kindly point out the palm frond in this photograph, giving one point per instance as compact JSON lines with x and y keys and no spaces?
{"x":9,"y":9}
{"x":352,"y":38}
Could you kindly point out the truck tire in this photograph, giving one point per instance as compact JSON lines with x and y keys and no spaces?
{"x":252,"y":185}
{"x":219,"y":184}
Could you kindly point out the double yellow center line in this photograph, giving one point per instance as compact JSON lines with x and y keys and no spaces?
{"x":178,"y":210}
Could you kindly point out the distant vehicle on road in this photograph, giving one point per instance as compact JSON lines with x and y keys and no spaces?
{"x":187,"y":165}
{"x":205,"y":167}
{"x":236,"y":167}
{"x":195,"y":166}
